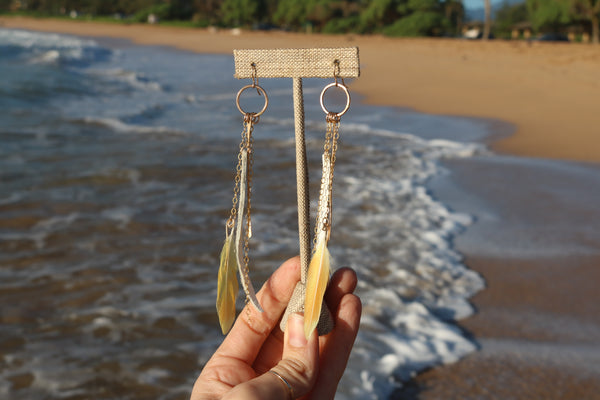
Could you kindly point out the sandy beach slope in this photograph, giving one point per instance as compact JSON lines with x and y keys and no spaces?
{"x":538,"y":321}
{"x":548,"y":91}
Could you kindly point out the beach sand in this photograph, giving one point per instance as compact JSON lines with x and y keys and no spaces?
{"x":538,"y":320}
{"x":549,"y":92}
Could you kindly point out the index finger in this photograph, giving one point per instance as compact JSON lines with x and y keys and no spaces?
{"x":252,"y":328}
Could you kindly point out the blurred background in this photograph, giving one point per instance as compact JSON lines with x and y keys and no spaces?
{"x":553,"y":20}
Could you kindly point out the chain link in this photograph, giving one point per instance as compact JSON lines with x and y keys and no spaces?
{"x":250,"y":120}
{"x":329,"y":151}
{"x":246,"y":144}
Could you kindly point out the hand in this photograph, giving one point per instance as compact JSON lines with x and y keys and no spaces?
{"x":256,"y":359}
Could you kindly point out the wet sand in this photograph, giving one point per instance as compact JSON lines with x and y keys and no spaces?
{"x":539,"y":338}
{"x":538,"y":320}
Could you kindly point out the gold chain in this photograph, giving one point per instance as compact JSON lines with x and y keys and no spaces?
{"x":334,"y":122}
{"x":329,"y":151}
{"x":249,"y":119}
{"x":236,"y":187}
{"x":246,"y":144}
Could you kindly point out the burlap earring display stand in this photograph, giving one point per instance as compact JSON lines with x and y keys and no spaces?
{"x":298,"y":64}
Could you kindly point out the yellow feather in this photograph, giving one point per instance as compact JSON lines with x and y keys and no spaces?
{"x":316,"y":283}
{"x":227,"y":285}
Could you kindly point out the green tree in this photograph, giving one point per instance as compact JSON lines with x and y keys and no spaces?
{"x":338,"y":16}
{"x":488,"y":19}
{"x":454,"y":13}
{"x":267,"y":11}
{"x":102,"y":7}
{"x":207,"y":11}
{"x":180,"y":10}
{"x":161,"y":10}
{"x":417,"y":24}
{"x":549,"y":14}
{"x":5,"y":5}
{"x":396,"y":17}
{"x":509,"y":15}
{"x":293,"y":13}
{"x":588,"y":10}
{"x":240,"y":12}
{"x":380,"y":13}
{"x":423,"y":18}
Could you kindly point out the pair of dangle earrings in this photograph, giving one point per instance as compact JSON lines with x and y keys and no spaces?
{"x":238,"y":228}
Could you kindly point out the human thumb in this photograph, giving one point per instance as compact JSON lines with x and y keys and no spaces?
{"x":298,"y":367}
{"x":296,"y":373}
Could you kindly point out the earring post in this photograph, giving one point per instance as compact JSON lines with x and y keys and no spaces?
{"x":303,"y":195}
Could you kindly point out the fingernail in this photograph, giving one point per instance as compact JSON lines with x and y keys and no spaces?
{"x":295,"y":328}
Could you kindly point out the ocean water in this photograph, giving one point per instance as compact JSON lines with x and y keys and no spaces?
{"x":116,"y":178}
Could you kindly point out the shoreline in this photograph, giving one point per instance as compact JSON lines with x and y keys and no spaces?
{"x":548,"y":94}
{"x":536,"y":323}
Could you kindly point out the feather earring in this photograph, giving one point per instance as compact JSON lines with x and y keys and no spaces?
{"x":234,"y":256}
{"x":319,"y":268}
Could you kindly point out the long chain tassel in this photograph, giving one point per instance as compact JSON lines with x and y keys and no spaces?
{"x":319,"y":268}
{"x":235,"y":254}
{"x":244,"y":210}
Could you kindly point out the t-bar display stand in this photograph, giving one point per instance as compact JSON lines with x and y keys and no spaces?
{"x":298,"y":64}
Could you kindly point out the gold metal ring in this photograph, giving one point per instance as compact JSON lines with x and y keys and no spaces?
{"x":260,"y":91}
{"x":286,"y":383}
{"x":345,"y":89}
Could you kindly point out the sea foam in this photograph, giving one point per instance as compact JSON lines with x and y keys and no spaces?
{"x":412,"y":281}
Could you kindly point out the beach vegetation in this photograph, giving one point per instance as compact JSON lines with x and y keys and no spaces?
{"x":548,"y":14}
{"x":419,"y":18}
{"x":239,"y":12}
{"x":343,"y":25}
{"x":390,"y":17}
{"x":417,"y":24}
{"x":380,"y":13}
{"x":588,"y":10}
{"x":454,"y":11}
{"x":393,"y":17}
{"x":508,"y":16}
{"x":293,"y":14}
{"x":160,"y":11}
{"x":565,"y":15}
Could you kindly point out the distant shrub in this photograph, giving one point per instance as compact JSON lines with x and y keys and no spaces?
{"x":342,"y":25}
{"x":201,"y":21}
{"x":161,"y":11}
{"x":417,"y":24}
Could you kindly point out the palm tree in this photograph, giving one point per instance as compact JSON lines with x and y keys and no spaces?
{"x":488,"y":20}
{"x":590,"y":10}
